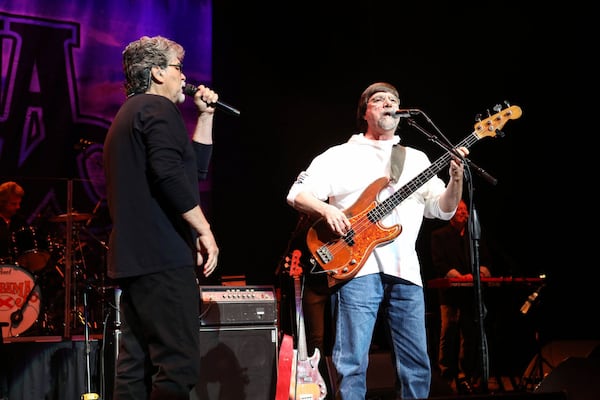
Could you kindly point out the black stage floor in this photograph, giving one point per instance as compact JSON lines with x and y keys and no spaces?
{"x":51,"y":367}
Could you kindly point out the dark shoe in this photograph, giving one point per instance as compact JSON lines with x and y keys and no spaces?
{"x":463,"y":386}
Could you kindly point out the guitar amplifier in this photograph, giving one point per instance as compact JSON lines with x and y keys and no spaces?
{"x":237,"y":305}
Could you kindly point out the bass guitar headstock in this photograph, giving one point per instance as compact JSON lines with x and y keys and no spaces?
{"x":492,"y":125}
{"x":293,"y":264}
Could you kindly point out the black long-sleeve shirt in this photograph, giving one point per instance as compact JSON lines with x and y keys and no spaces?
{"x":152,"y":170}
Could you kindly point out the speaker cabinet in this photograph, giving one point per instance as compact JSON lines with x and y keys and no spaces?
{"x":238,"y":362}
{"x":576,"y":376}
{"x":555,"y":352}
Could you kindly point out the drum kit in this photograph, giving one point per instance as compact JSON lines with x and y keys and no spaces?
{"x":46,"y":284}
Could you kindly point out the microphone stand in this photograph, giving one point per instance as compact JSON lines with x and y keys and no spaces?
{"x":475,"y":233}
{"x":89,"y":395}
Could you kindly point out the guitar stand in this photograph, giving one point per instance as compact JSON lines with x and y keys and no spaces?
{"x":534,"y":373}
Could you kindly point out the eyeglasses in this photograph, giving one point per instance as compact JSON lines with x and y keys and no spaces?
{"x":379,"y":99}
{"x":179,"y":66}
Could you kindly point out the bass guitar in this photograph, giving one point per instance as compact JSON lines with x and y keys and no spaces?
{"x":342,"y":257}
{"x":306,"y":380}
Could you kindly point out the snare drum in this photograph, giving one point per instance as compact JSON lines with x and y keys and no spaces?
{"x":15,"y":308}
{"x":30,"y":251}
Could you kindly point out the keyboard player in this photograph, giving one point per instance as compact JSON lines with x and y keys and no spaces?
{"x":458,"y":360}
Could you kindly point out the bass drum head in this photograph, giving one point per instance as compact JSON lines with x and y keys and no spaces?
{"x":17,"y":311}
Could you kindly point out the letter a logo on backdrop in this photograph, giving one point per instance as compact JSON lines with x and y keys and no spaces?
{"x":61,"y":85}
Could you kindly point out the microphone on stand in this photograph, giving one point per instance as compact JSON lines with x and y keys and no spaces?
{"x":406,"y":113}
{"x":190,"y":90}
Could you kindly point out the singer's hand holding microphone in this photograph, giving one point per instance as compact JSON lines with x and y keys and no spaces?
{"x":207,"y":98}
{"x":204,"y":98}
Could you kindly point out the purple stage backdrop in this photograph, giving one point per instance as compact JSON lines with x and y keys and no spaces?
{"x":62,"y":83}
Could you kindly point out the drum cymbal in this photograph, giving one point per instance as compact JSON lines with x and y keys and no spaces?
{"x":75,"y":217}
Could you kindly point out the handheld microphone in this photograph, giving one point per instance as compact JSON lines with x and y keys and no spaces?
{"x":406,"y":113}
{"x":190,"y":90}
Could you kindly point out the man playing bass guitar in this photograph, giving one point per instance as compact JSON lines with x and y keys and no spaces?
{"x":390,"y":276}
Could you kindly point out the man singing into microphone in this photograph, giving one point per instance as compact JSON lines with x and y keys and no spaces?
{"x":160,"y":235}
{"x":390,"y":278}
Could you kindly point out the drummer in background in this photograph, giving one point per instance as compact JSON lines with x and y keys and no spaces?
{"x":11,"y":195}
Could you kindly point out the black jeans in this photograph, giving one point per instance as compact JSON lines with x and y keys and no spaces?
{"x":159,"y":351}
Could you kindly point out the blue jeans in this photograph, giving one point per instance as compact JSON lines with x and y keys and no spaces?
{"x":356,"y":305}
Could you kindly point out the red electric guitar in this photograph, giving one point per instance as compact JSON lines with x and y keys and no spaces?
{"x":284,"y":367}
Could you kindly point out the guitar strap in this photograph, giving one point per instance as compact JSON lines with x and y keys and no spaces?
{"x":397,"y":161}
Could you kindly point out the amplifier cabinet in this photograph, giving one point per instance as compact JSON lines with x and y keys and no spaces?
{"x":237,"y":362}
{"x":237,"y":305}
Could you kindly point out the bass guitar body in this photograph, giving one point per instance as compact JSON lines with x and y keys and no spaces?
{"x":306,"y":382}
